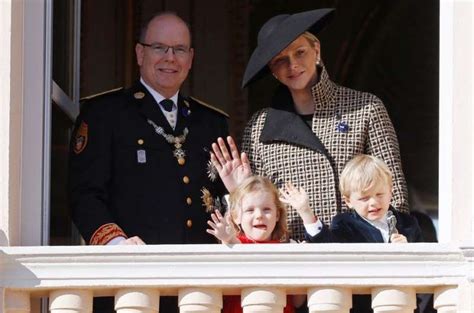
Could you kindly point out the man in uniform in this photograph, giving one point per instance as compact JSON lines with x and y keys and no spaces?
{"x":139,"y":157}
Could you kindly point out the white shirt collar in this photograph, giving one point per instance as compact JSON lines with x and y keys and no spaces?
{"x":381,"y":225}
{"x":158,"y":97}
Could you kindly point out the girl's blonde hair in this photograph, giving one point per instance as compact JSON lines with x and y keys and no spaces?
{"x":253,"y":184}
{"x":362,"y":173}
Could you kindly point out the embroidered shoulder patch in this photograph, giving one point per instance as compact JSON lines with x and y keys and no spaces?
{"x":80,"y":140}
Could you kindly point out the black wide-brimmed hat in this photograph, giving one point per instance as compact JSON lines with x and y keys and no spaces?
{"x":277,"y":33}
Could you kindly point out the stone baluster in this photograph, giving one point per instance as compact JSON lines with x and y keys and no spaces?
{"x":70,"y":301}
{"x":200,"y":300}
{"x":263,"y":300}
{"x":393,"y":300}
{"x":329,"y":300}
{"x":17,"y":302}
{"x":445,"y":299}
{"x":137,"y":300}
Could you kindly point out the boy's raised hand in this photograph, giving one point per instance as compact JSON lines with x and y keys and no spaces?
{"x":232,"y":167}
{"x":221,"y":229}
{"x":298,"y":199}
{"x":398,"y":238}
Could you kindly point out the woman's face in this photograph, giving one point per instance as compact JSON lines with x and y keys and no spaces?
{"x":295,"y":66}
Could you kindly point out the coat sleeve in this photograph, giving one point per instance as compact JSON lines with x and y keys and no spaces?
{"x":251,"y":142}
{"x":383,"y":143}
{"x":324,"y":236}
{"x":90,"y":163}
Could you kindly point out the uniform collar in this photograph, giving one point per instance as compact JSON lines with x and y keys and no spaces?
{"x":158,"y":97}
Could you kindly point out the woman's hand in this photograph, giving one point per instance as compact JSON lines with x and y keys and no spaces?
{"x":298,"y":199}
{"x":221,"y":229}
{"x":398,"y":238}
{"x":232,"y":167}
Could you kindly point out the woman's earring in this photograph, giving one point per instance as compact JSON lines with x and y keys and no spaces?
{"x":274,"y":75}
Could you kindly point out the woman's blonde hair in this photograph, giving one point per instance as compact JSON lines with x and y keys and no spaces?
{"x":362,"y":173}
{"x":310,"y":37}
{"x":253,"y":184}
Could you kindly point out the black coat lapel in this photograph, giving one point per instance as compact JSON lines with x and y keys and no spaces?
{"x":366,"y":230}
{"x":184,"y":114}
{"x":284,"y":124}
{"x":149,"y":108}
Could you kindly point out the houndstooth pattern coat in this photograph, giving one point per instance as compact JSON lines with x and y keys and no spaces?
{"x":281,"y":146}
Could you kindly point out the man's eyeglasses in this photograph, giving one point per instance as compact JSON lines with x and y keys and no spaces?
{"x":161,"y":50}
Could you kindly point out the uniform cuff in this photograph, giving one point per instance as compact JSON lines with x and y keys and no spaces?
{"x":106,"y":233}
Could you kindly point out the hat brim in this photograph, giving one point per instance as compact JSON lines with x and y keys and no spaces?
{"x":285,"y":33}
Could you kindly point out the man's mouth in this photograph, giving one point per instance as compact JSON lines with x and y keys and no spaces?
{"x":168,"y":70}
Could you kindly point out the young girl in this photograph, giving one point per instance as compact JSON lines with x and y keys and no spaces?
{"x":256,"y":216}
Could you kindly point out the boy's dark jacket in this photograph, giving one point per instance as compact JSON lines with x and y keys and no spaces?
{"x":351,"y":228}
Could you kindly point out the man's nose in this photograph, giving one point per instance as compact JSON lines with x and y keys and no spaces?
{"x":169,"y":54}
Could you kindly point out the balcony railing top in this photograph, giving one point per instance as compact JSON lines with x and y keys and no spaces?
{"x":293,"y":266}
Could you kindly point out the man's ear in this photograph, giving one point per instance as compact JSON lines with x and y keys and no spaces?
{"x":139,"y":53}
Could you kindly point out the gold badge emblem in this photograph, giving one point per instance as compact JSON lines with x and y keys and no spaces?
{"x":80,"y":140}
{"x":139,"y":95}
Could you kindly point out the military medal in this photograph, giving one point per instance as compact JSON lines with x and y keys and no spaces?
{"x":177,"y":141}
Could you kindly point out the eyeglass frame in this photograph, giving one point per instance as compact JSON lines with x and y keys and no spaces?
{"x":155,"y":48}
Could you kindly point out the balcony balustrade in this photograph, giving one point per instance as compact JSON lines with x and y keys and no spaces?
{"x":200,"y":275}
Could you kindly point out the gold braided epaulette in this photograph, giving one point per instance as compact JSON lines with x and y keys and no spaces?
{"x":207,"y":105}
{"x":101,"y":94}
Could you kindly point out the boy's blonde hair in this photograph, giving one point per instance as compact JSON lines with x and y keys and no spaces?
{"x":253,"y":184}
{"x":362,"y":173}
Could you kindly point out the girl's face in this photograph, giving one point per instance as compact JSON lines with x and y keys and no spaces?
{"x":259,"y":215}
{"x":295,"y":66}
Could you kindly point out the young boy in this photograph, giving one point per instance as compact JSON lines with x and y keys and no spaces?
{"x":366,"y":187}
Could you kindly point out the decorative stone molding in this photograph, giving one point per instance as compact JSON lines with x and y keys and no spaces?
{"x":263,"y":300}
{"x":446,"y":299}
{"x":329,"y":299}
{"x":134,"y":300}
{"x":393,"y":300}
{"x":70,"y":301}
{"x":199,"y":300}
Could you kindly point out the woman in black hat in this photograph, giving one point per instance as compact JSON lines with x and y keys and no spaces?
{"x":313,"y":126}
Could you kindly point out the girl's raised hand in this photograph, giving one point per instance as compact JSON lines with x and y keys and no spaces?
{"x":232,"y":167}
{"x":221,"y":229}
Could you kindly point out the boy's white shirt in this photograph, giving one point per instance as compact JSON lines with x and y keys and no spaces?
{"x":315,"y":228}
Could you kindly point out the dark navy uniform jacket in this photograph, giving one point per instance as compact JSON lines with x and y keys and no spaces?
{"x":351,"y":228}
{"x":122,"y":172}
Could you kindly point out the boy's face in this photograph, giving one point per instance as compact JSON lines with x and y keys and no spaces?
{"x":372,"y":204}
{"x":259,"y":215}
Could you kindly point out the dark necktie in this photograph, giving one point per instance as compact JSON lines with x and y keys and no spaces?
{"x":167,"y":104}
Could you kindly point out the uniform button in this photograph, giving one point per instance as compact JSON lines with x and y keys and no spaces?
{"x":189,"y":200}
{"x":140,"y":141}
{"x":186,"y":179}
{"x":189,"y":223}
